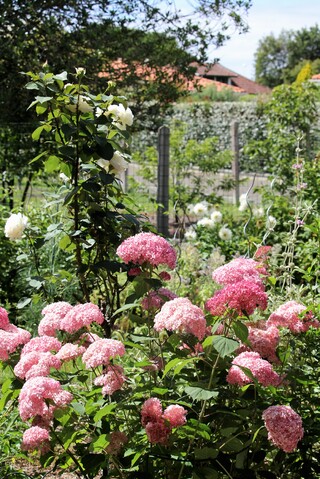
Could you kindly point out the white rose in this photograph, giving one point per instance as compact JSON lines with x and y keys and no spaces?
{"x":271,"y":222}
{"x":206,"y":222}
{"x":216,"y":216}
{"x":118,"y":163}
{"x":190,"y":234}
{"x":15,"y":226}
{"x":122,"y":116}
{"x":80,"y":71}
{"x":200,"y":209}
{"x":225,"y":233}
{"x":82,"y":104}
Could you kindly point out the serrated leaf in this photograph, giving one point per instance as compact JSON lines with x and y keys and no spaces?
{"x":224,"y":346}
{"x":200,"y":394}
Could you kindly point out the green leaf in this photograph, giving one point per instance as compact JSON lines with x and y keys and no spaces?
{"x":36,"y":158}
{"x":240,"y":330}
{"x":79,"y":408}
{"x":200,"y":394}
{"x":52,"y":164}
{"x":61,"y":76}
{"x":100,"y":443}
{"x":205,"y":453}
{"x":23,"y":302}
{"x":224,"y":346}
{"x":232,"y":445}
{"x":43,"y":99}
{"x":105,"y":411}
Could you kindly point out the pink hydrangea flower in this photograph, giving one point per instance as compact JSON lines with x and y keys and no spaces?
{"x":182,"y":316}
{"x":70,"y":351}
{"x":176,"y":415}
{"x":10,"y":339}
{"x":159,"y":425}
{"x":240,"y":269}
{"x":147,"y":248}
{"x":101,"y":351}
{"x":81,"y":315}
{"x":265,"y":342}
{"x":134,"y":271}
{"x":36,"y":363}
{"x":284,"y":427}
{"x":117,"y":440}
{"x":158,"y":432}
{"x":156,"y":298}
{"x":165,"y":276}
{"x":4,"y":318}
{"x":243,"y":297}
{"x":34,"y":396}
{"x":53,"y":314}
{"x":112,"y":380}
{"x":260,"y":369}
{"x":151,"y":411}
{"x":36,"y":438}
{"x":41,"y":344}
{"x":287,"y":316}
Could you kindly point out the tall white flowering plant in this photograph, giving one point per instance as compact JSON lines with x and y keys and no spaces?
{"x":130,"y":380}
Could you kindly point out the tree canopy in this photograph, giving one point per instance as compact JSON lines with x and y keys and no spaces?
{"x":279,"y":59}
{"x":87,"y":33}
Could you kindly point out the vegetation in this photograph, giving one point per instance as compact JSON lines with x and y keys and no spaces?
{"x":279,"y":59}
{"x":219,"y":382}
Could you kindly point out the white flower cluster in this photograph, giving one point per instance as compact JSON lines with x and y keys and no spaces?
{"x":15,"y":226}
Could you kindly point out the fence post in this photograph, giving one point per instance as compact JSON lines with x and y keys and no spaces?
{"x":235,"y":161}
{"x":163,"y":181}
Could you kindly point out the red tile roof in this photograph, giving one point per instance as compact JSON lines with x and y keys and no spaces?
{"x":218,"y":72}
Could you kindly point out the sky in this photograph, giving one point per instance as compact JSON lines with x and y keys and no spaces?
{"x":265,"y":17}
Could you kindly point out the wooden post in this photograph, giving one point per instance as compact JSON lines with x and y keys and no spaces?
{"x":163,"y":181}
{"x":235,"y":161}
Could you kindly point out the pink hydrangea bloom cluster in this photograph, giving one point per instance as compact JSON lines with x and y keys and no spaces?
{"x":36,"y":438}
{"x":243,"y":297}
{"x":289,"y":315}
{"x":100,"y":352}
{"x":155,"y":299}
{"x":117,"y":440}
{"x":70,"y":351}
{"x":147,"y":248}
{"x":240,"y":269}
{"x":36,"y":363}
{"x":52,"y":316}
{"x":260,"y":369}
{"x":157,"y":423}
{"x":63,"y":316}
{"x":264,"y":342}
{"x":284,"y":427}
{"x":181,"y":315}
{"x":112,"y":380}
{"x":41,"y":344}
{"x":35,"y":395}
{"x":11,"y":337}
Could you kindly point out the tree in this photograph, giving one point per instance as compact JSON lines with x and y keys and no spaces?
{"x":271,"y":59}
{"x":94,"y":34}
{"x":279,"y":59}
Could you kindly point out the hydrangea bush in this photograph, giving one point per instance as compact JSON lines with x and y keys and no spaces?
{"x":133,"y":379}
